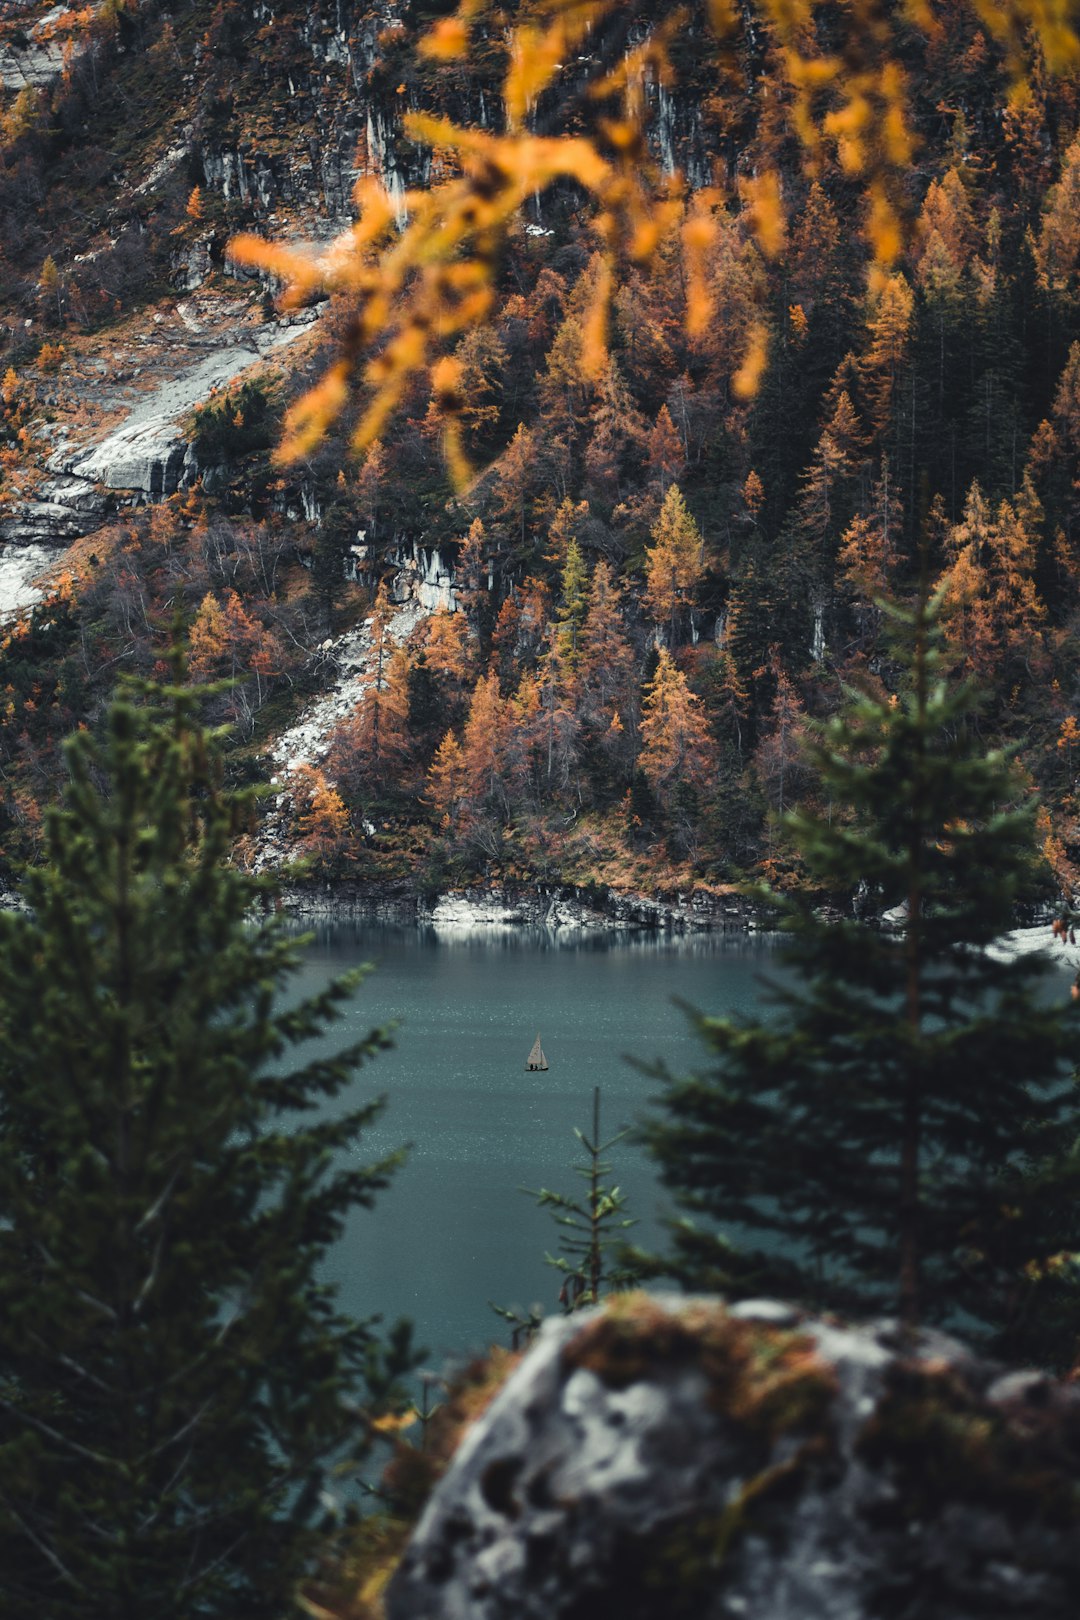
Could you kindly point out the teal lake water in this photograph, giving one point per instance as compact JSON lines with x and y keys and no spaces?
{"x":454,"y":1231}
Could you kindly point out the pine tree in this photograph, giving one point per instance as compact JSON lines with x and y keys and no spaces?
{"x":486,"y":762}
{"x":674,"y":562}
{"x":946,"y":214}
{"x":552,"y":732}
{"x":887,"y":356}
{"x":514,"y":479}
{"x":370,"y":494}
{"x":591,"y":1243}
{"x":676,"y":747}
{"x":371,"y":749}
{"x":472,"y":594}
{"x":573,"y":603}
{"x":607,"y":661}
{"x":1059,"y":238}
{"x":322,"y":819}
{"x":175,"y":1375}
{"x":868,"y":557}
{"x":427,"y":707}
{"x":617,"y":437}
{"x":822,"y":275}
{"x":991,"y":608}
{"x":331,"y":555}
{"x":446,"y":780}
{"x":52,"y":285}
{"x":483,"y":359}
{"x":872,"y":1145}
{"x":665,"y":451}
{"x":780,"y":757}
{"x":567,"y":523}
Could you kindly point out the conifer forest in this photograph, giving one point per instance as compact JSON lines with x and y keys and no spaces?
{"x":609,"y":455}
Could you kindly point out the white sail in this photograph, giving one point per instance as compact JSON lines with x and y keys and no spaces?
{"x":536,"y":1058}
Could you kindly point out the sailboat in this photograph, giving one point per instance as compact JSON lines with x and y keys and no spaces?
{"x":536,"y":1059}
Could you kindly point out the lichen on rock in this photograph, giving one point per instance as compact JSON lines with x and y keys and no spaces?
{"x":667,"y":1457}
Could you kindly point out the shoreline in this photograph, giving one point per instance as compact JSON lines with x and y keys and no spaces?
{"x":559,"y":908}
{"x":569,"y":911}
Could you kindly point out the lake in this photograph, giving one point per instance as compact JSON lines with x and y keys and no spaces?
{"x":454,"y":1231}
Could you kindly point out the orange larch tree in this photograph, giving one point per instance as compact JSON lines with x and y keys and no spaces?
{"x":674,"y":564}
{"x":676,"y":746}
{"x":445,"y":788}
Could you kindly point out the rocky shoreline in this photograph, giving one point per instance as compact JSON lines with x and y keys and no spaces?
{"x":561,"y":908}
{"x":568,"y":910}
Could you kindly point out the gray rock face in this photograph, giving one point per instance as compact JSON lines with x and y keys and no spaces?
{"x":148,"y":453}
{"x":35,"y":61}
{"x":20,"y":567}
{"x":567,"y":908}
{"x":307,"y":742}
{"x":145,"y":458}
{"x":664,"y":1458}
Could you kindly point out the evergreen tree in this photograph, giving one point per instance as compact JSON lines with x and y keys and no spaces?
{"x":780,"y":757}
{"x":675,"y":744}
{"x":607,"y":660}
{"x":592,"y":1259}
{"x":871,"y":1146}
{"x":617,"y":437}
{"x":573,"y":604}
{"x":328,"y":563}
{"x":175,"y":1378}
{"x":674,"y":564}
{"x":371,"y":750}
{"x":590,"y":1241}
{"x":445,"y":780}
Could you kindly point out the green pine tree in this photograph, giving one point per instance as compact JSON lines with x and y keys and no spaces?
{"x":592,"y":1258}
{"x":328,"y":560}
{"x":573,"y":605}
{"x":873,"y":1144}
{"x":175,"y":1378}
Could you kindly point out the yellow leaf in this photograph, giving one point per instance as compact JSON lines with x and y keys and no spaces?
{"x":462,"y":473}
{"x":652,"y":228}
{"x":535,"y":58}
{"x":765,"y":209}
{"x":445,"y":380}
{"x":723,"y":17}
{"x":699,"y":235}
{"x":594,"y":351}
{"x":301,"y":273}
{"x":883,"y":226}
{"x":308,"y":421}
{"x":449,"y":38}
{"x":395,"y":1422}
{"x":747,"y":380}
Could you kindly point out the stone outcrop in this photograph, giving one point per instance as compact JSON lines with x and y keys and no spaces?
{"x":148,"y":454}
{"x":593,"y":908}
{"x":20,"y":570}
{"x":667,"y":1457}
{"x":556,"y":907}
{"x":426,"y":577}
{"x":62,"y":510}
{"x":348,"y":664}
{"x":33,"y":58}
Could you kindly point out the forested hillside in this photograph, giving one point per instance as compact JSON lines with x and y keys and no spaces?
{"x":663,"y":566}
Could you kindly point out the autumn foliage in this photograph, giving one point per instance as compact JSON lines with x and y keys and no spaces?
{"x":421,"y":272}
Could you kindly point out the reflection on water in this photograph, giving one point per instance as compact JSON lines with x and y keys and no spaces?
{"x":488,"y":937}
{"x":455,"y":1231}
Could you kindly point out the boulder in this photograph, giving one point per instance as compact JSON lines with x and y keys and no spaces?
{"x":669,"y":1457}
